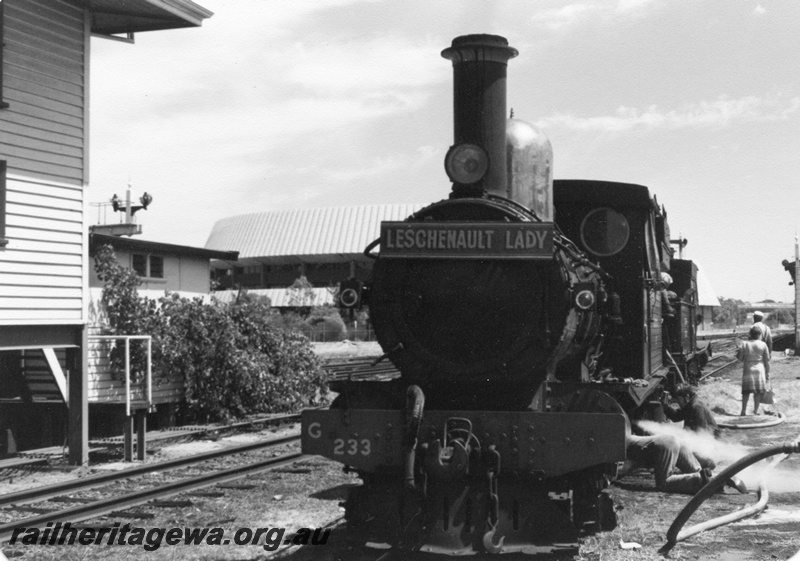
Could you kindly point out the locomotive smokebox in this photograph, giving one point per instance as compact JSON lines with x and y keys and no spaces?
{"x":477,"y":160}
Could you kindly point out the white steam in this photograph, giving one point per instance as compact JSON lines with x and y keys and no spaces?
{"x":778,"y":479}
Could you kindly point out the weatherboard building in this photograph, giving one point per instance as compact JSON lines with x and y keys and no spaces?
{"x":45,"y":77}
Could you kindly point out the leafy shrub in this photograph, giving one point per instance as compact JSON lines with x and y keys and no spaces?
{"x":325,"y":324}
{"x":233,"y":362}
{"x":125,"y":312}
{"x":320,"y":323}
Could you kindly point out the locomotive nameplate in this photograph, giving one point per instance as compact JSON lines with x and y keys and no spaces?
{"x":467,"y":240}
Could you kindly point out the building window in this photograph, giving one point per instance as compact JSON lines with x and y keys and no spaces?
{"x":140,"y":264}
{"x":3,"y":240}
{"x":156,"y":266}
{"x":148,"y":266}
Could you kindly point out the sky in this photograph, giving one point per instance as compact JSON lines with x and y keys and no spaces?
{"x":276,"y":105}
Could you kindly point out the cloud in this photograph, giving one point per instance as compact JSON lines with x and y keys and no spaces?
{"x":557,"y":19}
{"x":567,"y":16}
{"x":380,"y":63}
{"x":759,"y":10}
{"x":623,"y":6}
{"x":382,"y":166}
{"x":720,"y":112}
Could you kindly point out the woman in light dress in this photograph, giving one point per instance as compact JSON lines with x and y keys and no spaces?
{"x":755,"y":372}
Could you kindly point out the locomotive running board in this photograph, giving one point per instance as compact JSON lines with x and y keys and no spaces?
{"x":630,"y":395}
{"x":531,"y":443}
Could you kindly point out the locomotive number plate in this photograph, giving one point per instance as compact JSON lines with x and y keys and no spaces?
{"x":467,"y":240}
{"x":363,"y":439}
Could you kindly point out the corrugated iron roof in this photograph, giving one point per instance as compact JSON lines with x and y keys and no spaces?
{"x":315,"y":231}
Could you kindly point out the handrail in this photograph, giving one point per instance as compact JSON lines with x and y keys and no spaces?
{"x":127,"y":339}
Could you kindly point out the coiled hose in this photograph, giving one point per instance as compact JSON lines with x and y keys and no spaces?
{"x":674,"y":534}
{"x":777,"y":420}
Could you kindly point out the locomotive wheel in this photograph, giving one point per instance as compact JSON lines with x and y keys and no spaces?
{"x":593,"y":507}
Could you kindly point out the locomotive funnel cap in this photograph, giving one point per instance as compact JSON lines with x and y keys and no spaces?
{"x":480,"y":47}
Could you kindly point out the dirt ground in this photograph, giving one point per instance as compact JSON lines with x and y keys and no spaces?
{"x":646,"y":515}
{"x":308,"y":495}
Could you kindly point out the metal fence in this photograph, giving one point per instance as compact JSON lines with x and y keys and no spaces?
{"x":330,"y":335}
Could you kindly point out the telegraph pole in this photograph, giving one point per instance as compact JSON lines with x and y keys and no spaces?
{"x":796,"y":294}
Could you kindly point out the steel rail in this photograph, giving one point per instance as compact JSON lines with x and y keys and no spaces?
{"x":47,"y":492}
{"x":290,"y":417}
{"x":724,"y":366}
{"x":106,"y":506}
{"x":192,"y":430}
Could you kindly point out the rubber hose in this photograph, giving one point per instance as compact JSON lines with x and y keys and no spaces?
{"x":763,"y":498}
{"x":771,"y":423}
{"x":719,"y":481}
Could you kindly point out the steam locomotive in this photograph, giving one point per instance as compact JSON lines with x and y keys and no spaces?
{"x":531,"y":320}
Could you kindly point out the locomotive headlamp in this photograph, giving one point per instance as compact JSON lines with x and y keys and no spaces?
{"x":348,"y":298}
{"x":350,"y":293}
{"x":585,"y":299}
{"x":466,"y":163}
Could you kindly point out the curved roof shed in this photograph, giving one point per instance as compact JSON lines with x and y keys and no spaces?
{"x":316,"y":234}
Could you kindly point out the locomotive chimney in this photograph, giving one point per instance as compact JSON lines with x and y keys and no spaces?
{"x":477,"y":160}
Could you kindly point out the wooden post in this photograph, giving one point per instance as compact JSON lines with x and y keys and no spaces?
{"x":141,"y":434}
{"x":128,"y":438}
{"x":78,"y":406}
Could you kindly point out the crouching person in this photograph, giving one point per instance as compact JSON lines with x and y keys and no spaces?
{"x":677,"y":469}
{"x":690,"y":409}
{"x":696,"y":417}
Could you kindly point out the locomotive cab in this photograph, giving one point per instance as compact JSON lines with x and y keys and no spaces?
{"x":624,"y":229}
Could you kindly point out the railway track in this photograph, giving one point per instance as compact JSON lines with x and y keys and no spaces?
{"x":156,"y":439}
{"x":725,"y":345}
{"x":113,"y":501}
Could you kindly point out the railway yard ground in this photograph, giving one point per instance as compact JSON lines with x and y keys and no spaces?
{"x":307,"y":493}
{"x":645,"y":515}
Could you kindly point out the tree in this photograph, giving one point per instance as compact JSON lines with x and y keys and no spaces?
{"x":782,"y":316}
{"x":729,"y":312}
{"x":302,"y":295}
